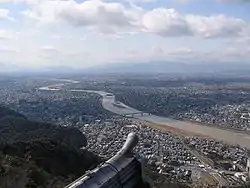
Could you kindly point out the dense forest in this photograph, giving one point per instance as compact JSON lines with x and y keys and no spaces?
{"x":35,"y":154}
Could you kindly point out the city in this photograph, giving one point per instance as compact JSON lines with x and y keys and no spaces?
{"x":178,"y":156}
{"x":124,"y":94}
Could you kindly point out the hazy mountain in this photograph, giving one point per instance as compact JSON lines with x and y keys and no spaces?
{"x":172,"y":67}
{"x":152,"y":67}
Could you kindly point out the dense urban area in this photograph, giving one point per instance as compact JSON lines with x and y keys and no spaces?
{"x":169,"y":156}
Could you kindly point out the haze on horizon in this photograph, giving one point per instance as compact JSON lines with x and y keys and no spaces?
{"x":36,"y":34}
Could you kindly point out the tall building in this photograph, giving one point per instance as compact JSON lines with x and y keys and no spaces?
{"x":248,"y":167}
{"x":80,"y":119}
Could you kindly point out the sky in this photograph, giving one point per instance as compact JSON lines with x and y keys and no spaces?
{"x":85,"y":33}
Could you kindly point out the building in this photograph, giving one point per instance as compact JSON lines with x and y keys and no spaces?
{"x":248,"y":167}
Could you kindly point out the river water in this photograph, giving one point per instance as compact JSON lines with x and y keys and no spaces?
{"x":228,"y":136}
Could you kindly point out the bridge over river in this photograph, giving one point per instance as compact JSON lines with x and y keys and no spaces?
{"x":135,"y":114}
{"x":226,"y":135}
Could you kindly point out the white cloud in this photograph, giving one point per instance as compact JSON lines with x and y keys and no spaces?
{"x":49,"y":52}
{"x":234,"y":52}
{"x":183,"y":1}
{"x":59,"y":36}
{"x":3,"y":34}
{"x":157,"y":49}
{"x":234,"y":1}
{"x":21,"y":1}
{"x":144,"y":1}
{"x":168,"y":22}
{"x":106,"y":17}
{"x":8,"y":49}
{"x":5,"y":15}
{"x":165,"y":22}
{"x":47,"y":11}
{"x":182,"y":51}
{"x":49,"y":48}
{"x":113,"y":17}
{"x":105,"y":31}
{"x":221,"y":1}
{"x":8,"y":35}
{"x":216,"y":26}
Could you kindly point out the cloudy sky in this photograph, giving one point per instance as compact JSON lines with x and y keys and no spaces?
{"x":80,"y":33}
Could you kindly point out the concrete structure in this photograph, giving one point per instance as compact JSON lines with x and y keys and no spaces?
{"x":136,"y":113}
{"x":121,"y":171}
{"x":248,"y":167}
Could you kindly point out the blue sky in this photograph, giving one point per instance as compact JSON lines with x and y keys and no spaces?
{"x":44,"y":33}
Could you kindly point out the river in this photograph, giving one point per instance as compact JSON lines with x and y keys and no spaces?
{"x":228,"y":136}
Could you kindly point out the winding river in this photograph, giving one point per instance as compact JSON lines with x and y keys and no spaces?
{"x":108,"y":99}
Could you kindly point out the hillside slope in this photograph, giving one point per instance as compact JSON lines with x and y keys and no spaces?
{"x":16,"y":129}
{"x":35,"y":154}
{"x":5,"y":112}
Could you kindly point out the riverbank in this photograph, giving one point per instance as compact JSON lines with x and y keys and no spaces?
{"x":217,"y":126}
{"x":174,"y":130}
{"x":228,"y":136}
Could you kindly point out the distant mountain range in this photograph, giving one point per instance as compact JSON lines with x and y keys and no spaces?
{"x":172,"y":67}
{"x":152,"y":67}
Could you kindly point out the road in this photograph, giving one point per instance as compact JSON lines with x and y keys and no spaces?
{"x":212,"y":172}
{"x":208,"y":168}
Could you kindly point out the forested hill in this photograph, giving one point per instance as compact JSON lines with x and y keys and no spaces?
{"x":5,"y":112}
{"x":36,"y":154}
{"x":14,"y":127}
